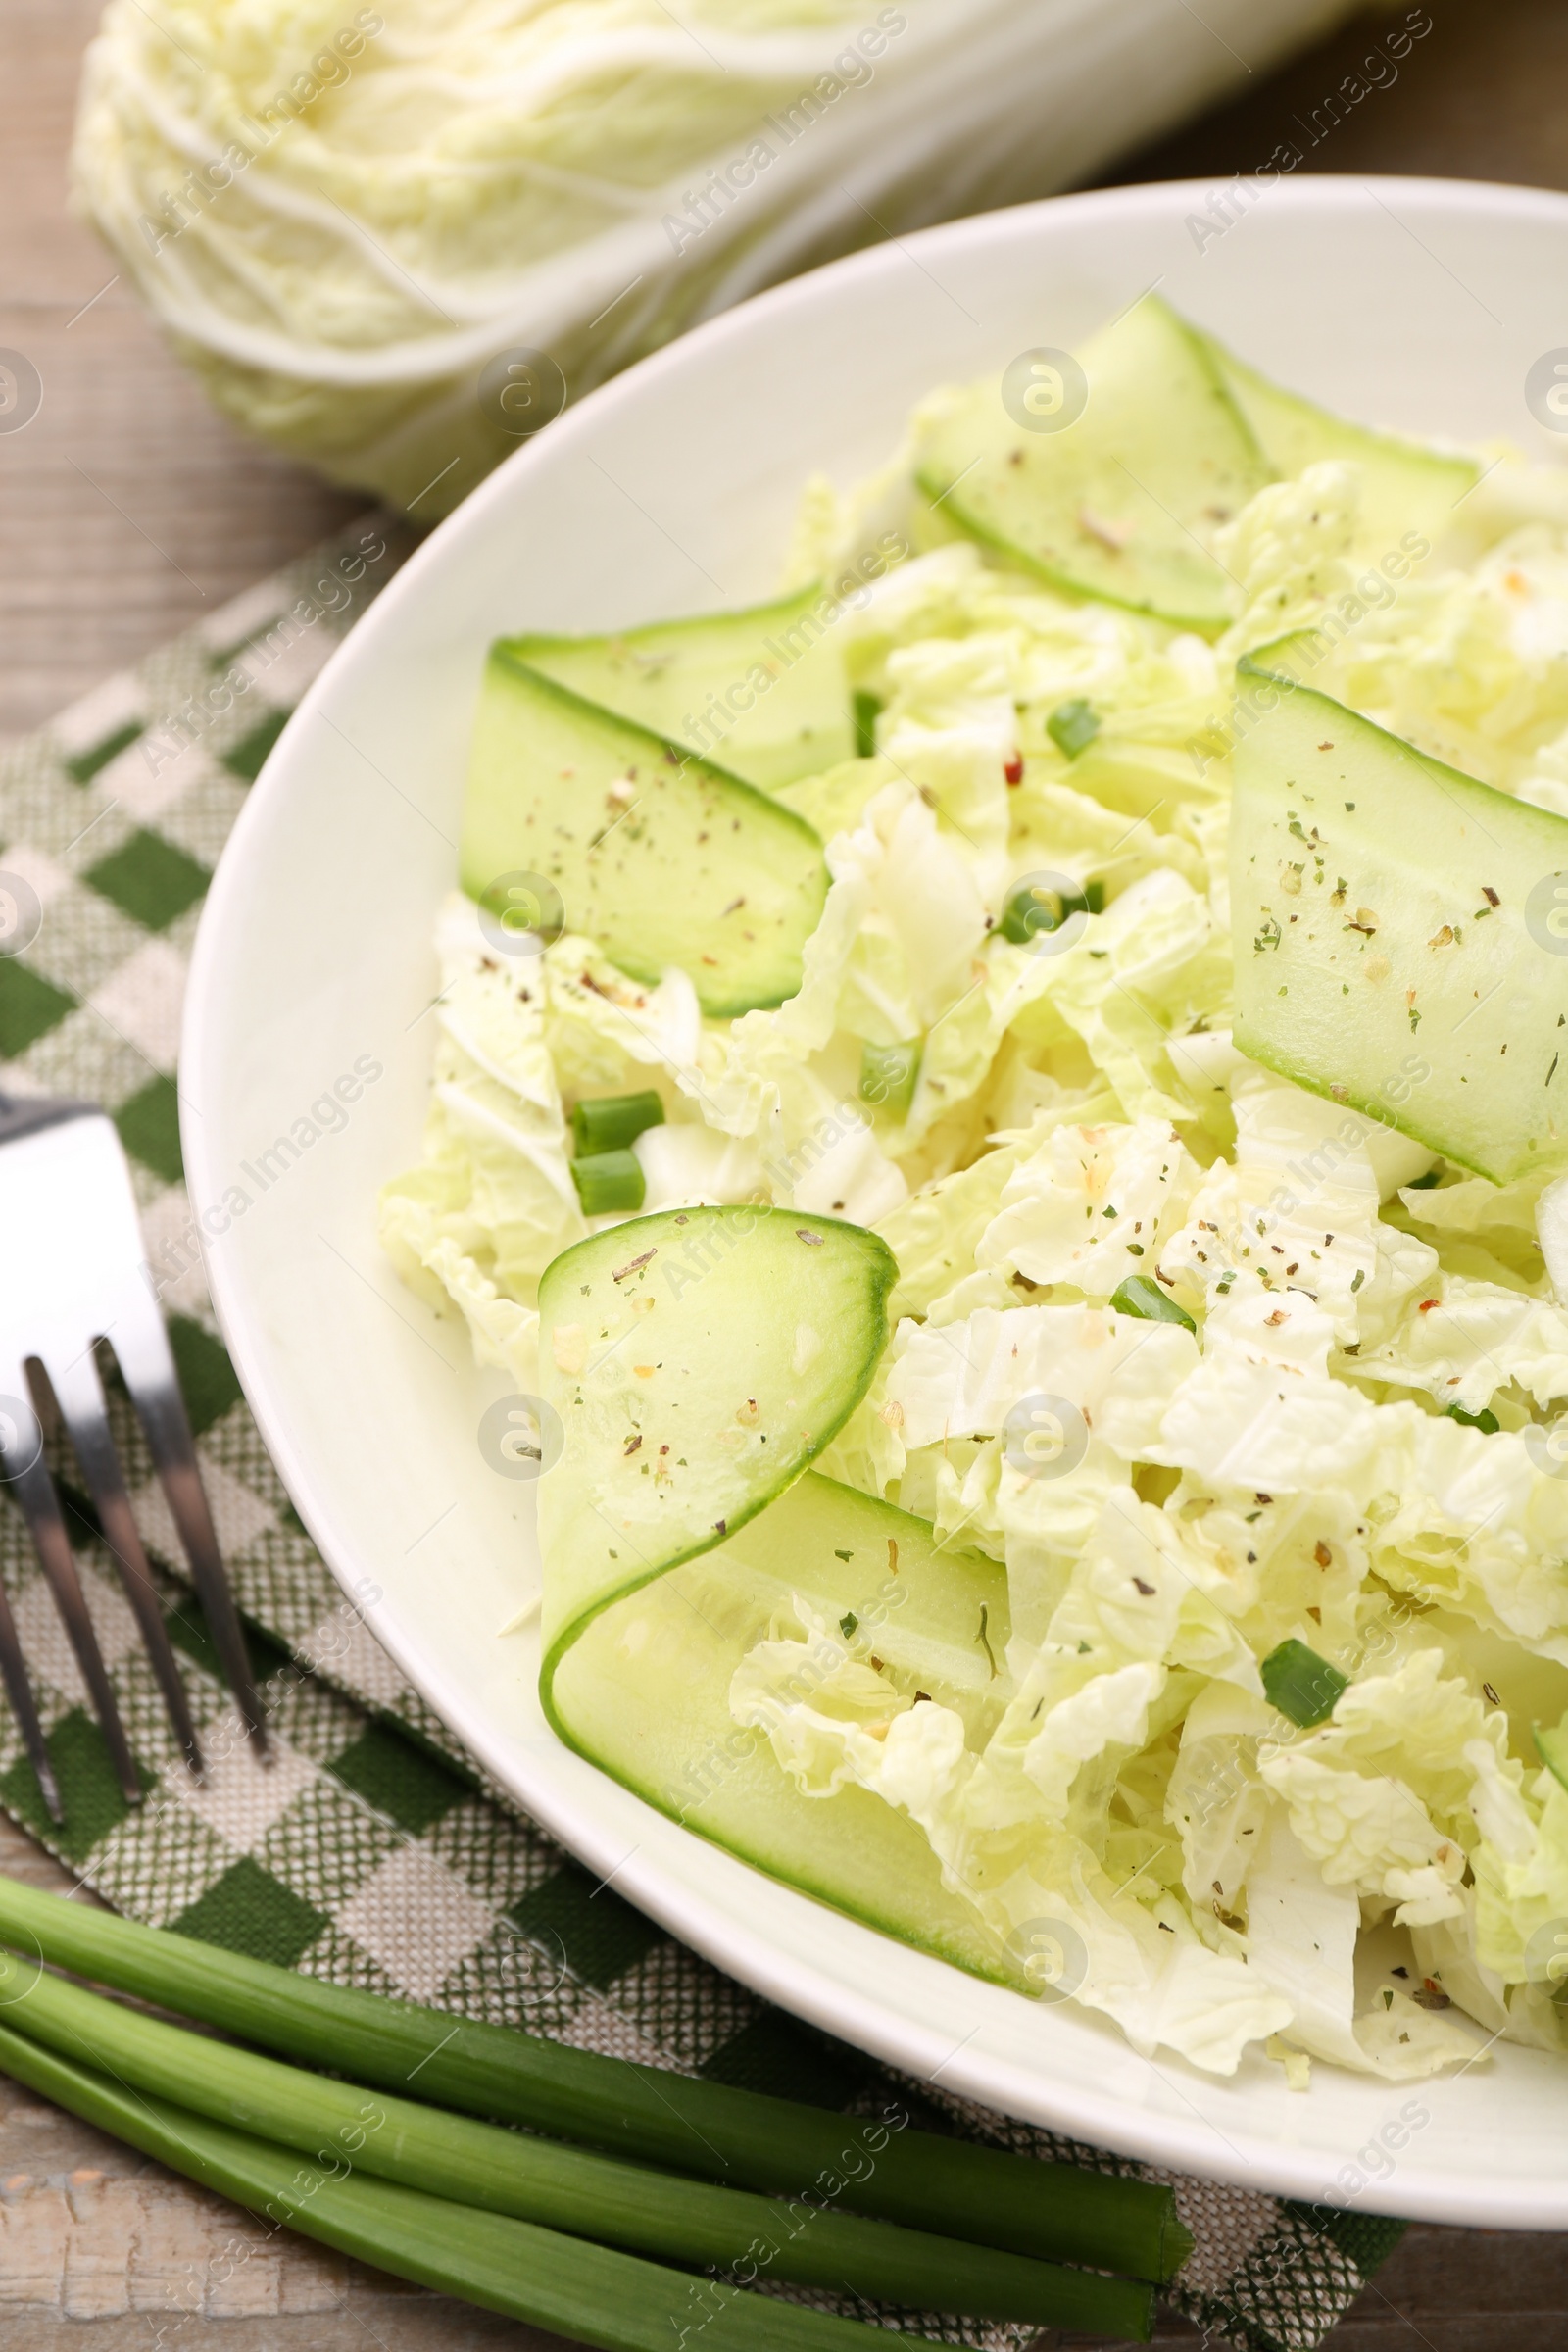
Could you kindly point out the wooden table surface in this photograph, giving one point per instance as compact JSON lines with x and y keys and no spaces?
{"x":126,"y":510}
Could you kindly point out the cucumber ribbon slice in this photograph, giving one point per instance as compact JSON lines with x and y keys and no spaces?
{"x":1402,"y":941}
{"x":699,"y":1360}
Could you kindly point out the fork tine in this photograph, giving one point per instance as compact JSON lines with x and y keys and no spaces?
{"x":24,"y":1706}
{"x":13,"y":1440}
{"x":34,"y":1491}
{"x":78,"y":1393}
{"x":147,"y":1364}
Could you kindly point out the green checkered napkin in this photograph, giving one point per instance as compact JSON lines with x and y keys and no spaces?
{"x":373,"y":1851}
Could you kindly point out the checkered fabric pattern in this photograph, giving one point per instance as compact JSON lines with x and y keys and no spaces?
{"x":371,"y":1852}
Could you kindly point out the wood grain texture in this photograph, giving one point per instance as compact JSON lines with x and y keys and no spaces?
{"x":1484,"y":95}
{"x":126,"y":510}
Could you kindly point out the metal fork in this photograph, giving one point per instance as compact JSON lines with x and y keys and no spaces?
{"x":72,"y":1274}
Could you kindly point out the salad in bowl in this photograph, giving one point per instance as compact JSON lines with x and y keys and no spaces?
{"x":1002,"y":1112}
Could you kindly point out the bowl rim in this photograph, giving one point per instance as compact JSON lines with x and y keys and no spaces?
{"x":722,"y":1934}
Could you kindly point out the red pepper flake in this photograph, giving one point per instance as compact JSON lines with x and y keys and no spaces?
{"x":1490,"y":895}
{"x":1013,"y":768}
{"x":1427,"y":1304}
{"x":632,"y":1444}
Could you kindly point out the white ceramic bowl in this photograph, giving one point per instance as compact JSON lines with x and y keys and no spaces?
{"x":1404,"y":302}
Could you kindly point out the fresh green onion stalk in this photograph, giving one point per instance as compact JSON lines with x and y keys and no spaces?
{"x":591,"y":2292}
{"x":538,"y":2181}
{"x":867,"y":709}
{"x":1032,"y":910}
{"x":741,"y":2138}
{"x":609,"y":1183}
{"x":1301,"y":1684}
{"x":614,"y":1122}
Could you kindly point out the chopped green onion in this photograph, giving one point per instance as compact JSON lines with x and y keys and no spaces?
{"x":539,"y":2181}
{"x":589,"y":2292}
{"x":1486,"y":1420}
{"x":1072,"y":726}
{"x":611,"y":1122}
{"x":608,"y":1183}
{"x":867,"y":709}
{"x":1301,"y":1684}
{"x":887,"y":1075}
{"x":1031,"y":910}
{"x":710,"y":2128}
{"x":1552,"y":1745}
{"x":1140,"y":1296}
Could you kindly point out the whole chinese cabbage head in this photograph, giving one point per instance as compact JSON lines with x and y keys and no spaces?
{"x":393,"y":238}
{"x":343,"y":214}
